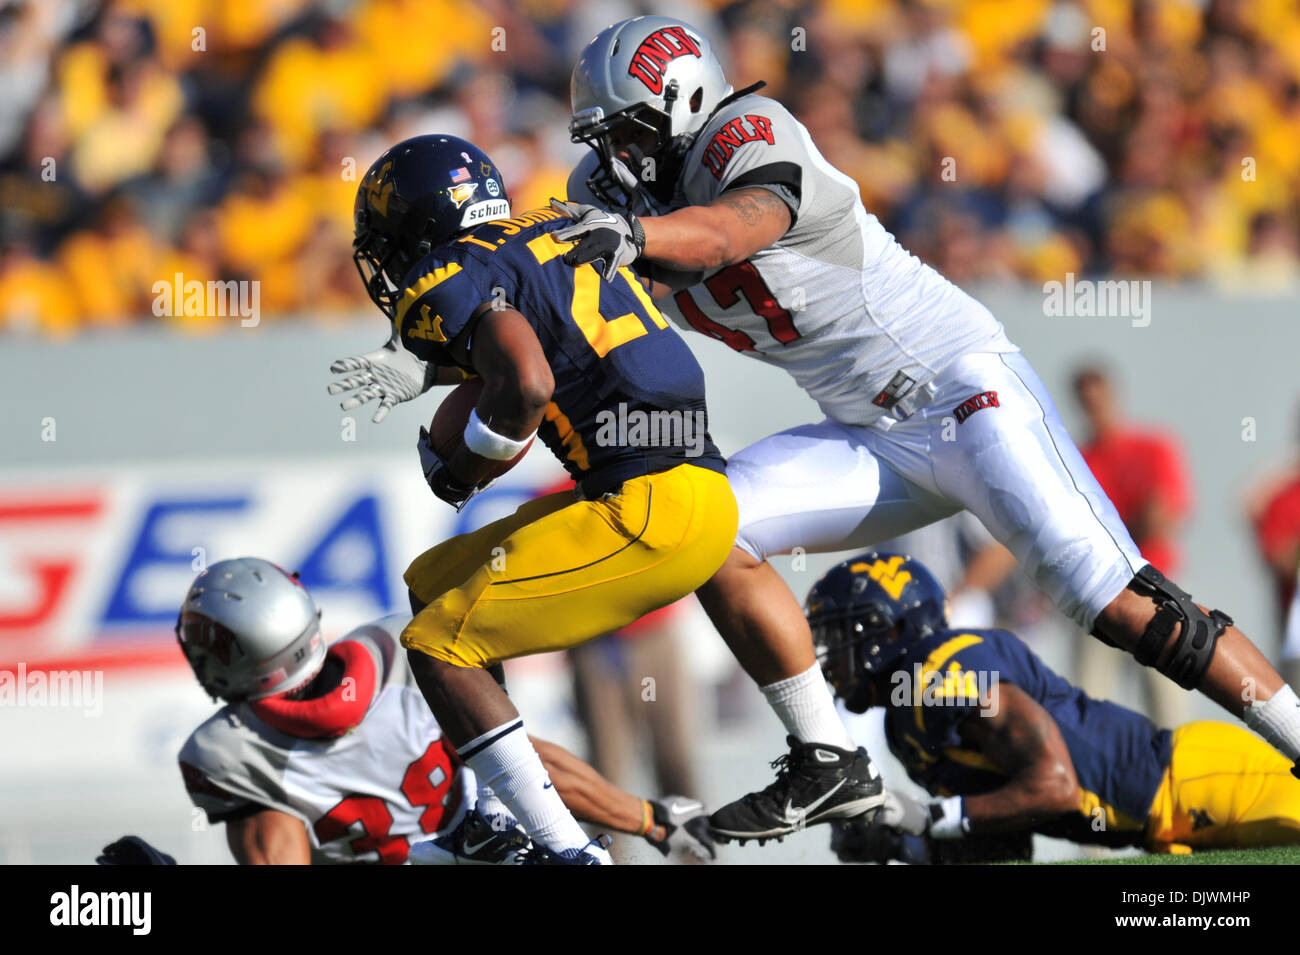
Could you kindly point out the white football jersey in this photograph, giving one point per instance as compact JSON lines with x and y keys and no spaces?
{"x":856,"y":319}
{"x":364,"y":796}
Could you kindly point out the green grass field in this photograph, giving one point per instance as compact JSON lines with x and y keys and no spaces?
{"x":1277,"y":855}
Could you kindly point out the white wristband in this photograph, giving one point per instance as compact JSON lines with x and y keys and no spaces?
{"x":483,"y":441}
{"x":948,"y":819}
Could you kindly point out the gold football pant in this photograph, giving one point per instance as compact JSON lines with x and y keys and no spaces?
{"x":561,"y":571}
{"x":1224,"y":787}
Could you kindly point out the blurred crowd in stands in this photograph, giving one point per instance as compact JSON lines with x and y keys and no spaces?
{"x":998,"y":139}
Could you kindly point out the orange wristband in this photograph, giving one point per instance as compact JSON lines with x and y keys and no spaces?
{"x":647,"y":818}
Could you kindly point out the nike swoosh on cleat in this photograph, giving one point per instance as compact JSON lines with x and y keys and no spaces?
{"x":469,"y":849}
{"x":793,"y":815}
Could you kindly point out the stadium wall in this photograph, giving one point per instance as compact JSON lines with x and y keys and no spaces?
{"x":130,"y":458}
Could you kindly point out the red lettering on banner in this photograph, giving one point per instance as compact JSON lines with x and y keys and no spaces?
{"x":49,"y":577}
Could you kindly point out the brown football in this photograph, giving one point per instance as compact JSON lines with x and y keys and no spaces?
{"x":447,"y":430}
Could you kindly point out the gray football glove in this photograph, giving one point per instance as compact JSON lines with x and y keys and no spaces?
{"x":613,"y":239}
{"x":904,"y":813}
{"x":686,"y":823}
{"x":391,"y":374}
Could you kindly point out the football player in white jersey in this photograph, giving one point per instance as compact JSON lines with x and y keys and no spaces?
{"x":329,"y":754}
{"x":722,"y":199}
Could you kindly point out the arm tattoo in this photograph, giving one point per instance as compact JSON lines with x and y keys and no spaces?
{"x":753,"y":204}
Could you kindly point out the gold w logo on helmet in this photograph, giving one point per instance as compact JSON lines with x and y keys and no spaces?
{"x":379,"y":187}
{"x":887,"y":573}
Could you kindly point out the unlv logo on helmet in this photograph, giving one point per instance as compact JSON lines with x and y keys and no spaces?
{"x":656,"y":51}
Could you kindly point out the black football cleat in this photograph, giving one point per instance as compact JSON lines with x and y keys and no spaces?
{"x":814,"y":783}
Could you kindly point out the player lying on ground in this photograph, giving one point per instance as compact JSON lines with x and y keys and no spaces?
{"x":330,"y":755}
{"x":562,"y":354}
{"x":1010,"y":748}
{"x":929,"y":407}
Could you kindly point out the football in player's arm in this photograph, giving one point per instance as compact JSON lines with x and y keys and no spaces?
{"x":466,"y":284}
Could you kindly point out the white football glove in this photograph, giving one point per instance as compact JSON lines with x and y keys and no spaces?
{"x":391,"y":374}
{"x":904,"y":813}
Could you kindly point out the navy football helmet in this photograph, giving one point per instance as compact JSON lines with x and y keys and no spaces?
{"x":416,"y":196}
{"x":866,"y":614}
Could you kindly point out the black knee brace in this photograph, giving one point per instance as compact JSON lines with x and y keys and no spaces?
{"x":1200,"y":632}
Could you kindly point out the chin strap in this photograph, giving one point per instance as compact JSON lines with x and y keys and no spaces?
{"x":732,"y":97}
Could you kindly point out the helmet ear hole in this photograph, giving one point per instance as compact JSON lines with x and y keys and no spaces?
{"x":697,"y":99}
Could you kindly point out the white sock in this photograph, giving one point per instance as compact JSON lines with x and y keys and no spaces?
{"x":1278,"y":721}
{"x":489,"y":805}
{"x":804,"y":704}
{"x":504,"y":761}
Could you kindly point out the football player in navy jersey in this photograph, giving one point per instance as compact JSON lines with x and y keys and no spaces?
{"x":1008,"y":748}
{"x":589,"y":366}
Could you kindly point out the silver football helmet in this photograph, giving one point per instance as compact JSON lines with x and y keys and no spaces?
{"x":644,"y":87}
{"x":249,"y":630}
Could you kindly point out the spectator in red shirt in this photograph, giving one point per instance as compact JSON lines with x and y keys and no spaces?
{"x":1142,"y":472}
{"x":1274,"y":509}
{"x":1273,"y":506}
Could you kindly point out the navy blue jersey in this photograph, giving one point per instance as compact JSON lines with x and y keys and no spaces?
{"x":629,"y":395}
{"x":1119,"y":756}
